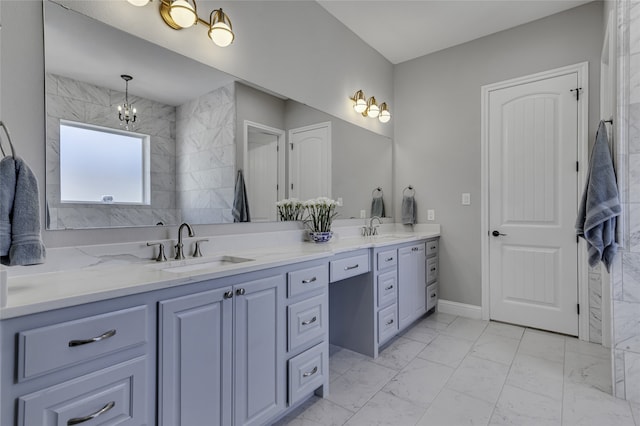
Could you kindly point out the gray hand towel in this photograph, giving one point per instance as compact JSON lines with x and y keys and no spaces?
{"x":600,"y":205}
{"x":240,"y":210}
{"x":377,"y":207}
{"x":26,"y":243}
{"x":7,"y":193}
{"x":409,"y":213}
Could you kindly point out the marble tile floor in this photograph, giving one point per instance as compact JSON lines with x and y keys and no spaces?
{"x":448,"y":370}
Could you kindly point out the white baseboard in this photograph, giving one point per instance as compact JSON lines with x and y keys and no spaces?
{"x":460,"y":309}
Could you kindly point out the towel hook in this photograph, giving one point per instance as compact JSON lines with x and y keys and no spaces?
{"x":410,"y":188}
{"x":378,"y":189}
{"x":6,"y":131}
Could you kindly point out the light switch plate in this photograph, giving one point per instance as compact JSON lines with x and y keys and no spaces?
{"x":431,"y":215}
{"x":466,"y":199}
{"x":363,"y":214}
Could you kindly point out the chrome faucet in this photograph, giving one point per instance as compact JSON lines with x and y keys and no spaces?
{"x":370,"y":230}
{"x":179,"y":246}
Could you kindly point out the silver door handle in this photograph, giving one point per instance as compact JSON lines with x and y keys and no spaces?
{"x":78,"y":420}
{"x":311,"y":373}
{"x":311,"y":321}
{"x":497,"y":233}
{"x":310,"y":280}
{"x":390,"y":322}
{"x":348,"y":268}
{"x":103,"y":336}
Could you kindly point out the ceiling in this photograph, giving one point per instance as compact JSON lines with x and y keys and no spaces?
{"x":406,"y":29}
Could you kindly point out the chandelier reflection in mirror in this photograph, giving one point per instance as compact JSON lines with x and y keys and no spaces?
{"x":179,"y":14}
{"x":126,"y":111}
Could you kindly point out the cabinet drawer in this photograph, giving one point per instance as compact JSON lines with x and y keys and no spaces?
{"x":308,"y":322}
{"x":307,"y":372}
{"x":387,"y":288}
{"x":348,"y":267}
{"x":45,"y":349}
{"x":387,"y":323}
{"x":432,"y":296}
{"x":432,"y":269}
{"x":307,"y":280}
{"x":432,"y":248}
{"x":114,"y":396}
{"x":387,"y":259}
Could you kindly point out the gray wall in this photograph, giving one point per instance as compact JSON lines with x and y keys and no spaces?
{"x":437,"y":125}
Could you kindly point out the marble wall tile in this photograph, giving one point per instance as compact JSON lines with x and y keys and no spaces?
{"x":634,"y":227}
{"x":80,"y":91}
{"x":631,"y":277}
{"x":634,"y":128}
{"x":618,"y":373}
{"x":634,"y":78}
{"x":82,"y":217}
{"x":632,"y":376}
{"x":129,"y":217}
{"x":627,"y":325}
{"x":634,"y":30}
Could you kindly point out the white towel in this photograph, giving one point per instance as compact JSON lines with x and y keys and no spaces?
{"x":600,"y":206}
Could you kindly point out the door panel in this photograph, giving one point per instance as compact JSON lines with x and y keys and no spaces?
{"x":533,"y":204}
{"x":310,"y":162}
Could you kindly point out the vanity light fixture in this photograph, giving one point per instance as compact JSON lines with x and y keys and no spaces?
{"x":179,"y":14}
{"x":126,"y":111}
{"x":384,"y":115}
{"x":370,"y":108}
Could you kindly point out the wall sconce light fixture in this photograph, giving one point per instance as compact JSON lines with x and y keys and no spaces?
{"x":370,"y":107}
{"x":126,"y":111}
{"x":179,"y":14}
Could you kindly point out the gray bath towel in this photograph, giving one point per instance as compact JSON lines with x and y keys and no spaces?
{"x":409,"y":212}
{"x":240,"y":210}
{"x":600,"y":205}
{"x":7,"y":193}
{"x":26,"y":243}
{"x":377,"y":207}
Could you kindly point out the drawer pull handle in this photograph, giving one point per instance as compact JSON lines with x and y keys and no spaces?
{"x":388,"y":259}
{"x":310,"y":280}
{"x":433,"y":247}
{"x":78,"y":420}
{"x":388,"y":288}
{"x":433,"y":269}
{"x":311,"y":373}
{"x":390,"y":322}
{"x":348,"y":268}
{"x":103,"y":336}
{"x":311,"y":321}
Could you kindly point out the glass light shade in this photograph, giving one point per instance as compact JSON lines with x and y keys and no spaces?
{"x":360,"y":105}
{"x":384,"y":115}
{"x":139,"y":3}
{"x":221,"y":34}
{"x":183,"y":13}
{"x":373,"y":111}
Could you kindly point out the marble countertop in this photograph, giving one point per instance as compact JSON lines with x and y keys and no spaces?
{"x":29,"y":293}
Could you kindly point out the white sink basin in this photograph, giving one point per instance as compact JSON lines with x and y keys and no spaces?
{"x":205,"y":263}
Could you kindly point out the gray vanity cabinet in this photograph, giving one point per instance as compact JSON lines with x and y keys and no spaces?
{"x":195,"y":350}
{"x":411,"y":284}
{"x":221,"y":355}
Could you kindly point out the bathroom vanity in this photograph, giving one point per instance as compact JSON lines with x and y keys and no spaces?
{"x":238,"y":340}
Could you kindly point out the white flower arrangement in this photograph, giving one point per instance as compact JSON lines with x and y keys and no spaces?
{"x":290,"y":209}
{"x":320,"y":214}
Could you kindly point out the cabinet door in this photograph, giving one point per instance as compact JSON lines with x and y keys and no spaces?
{"x":195,"y":349}
{"x":259,"y":375}
{"x":411,"y":284}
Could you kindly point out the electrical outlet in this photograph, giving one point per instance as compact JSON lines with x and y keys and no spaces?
{"x":363,"y":214}
{"x":339,"y":202}
{"x":431,"y":215}
{"x":466,"y":199}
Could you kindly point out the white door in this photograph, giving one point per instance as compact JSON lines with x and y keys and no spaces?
{"x":262,"y":175}
{"x":310,"y":162}
{"x":533,"y":251}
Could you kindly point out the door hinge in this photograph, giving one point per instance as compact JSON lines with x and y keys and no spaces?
{"x":291,"y":146}
{"x":577,"y":90}
{"x":277,"y":148}
{"x":577,"y":238}
{"x":577,"y":166}
{"x":277,"y":187}
{"x":578,"y":308}
{"x":291,"y":186}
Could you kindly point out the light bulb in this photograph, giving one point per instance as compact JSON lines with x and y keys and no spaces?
{"x":360,"y":105}
{"x":221,"y":34}
{"x":139,"y":3}
{"x":373,"y":111}
{"x":384,"y":116}
{"x":183,"y":13}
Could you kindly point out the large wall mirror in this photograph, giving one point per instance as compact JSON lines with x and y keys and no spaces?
{"x":196,"y":132}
